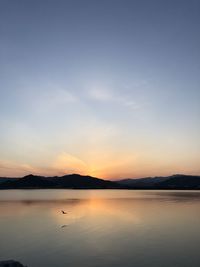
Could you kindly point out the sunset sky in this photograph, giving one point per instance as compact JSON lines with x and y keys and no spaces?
{"x":103,"y":87}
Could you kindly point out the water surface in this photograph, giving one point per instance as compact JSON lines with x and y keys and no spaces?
{"x":102,"y":228}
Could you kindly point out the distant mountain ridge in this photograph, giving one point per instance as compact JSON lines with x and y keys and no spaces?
{"x":142,"y":181}
{"x":77,"y":181}
{"x":4,"y":179}
{"x":74,"y":181}
{"x":177,"y":181}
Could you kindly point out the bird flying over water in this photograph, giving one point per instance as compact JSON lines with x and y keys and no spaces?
{"x":63,"y":212}
{"x":63,"y":226}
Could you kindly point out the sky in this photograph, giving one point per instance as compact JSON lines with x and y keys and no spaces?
{"x":106,"y":88}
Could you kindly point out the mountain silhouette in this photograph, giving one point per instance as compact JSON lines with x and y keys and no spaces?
{"x":142,"y":182}
{"x":75,"y":181}
{"x":80,"y":181}
{"x":177,"y":181}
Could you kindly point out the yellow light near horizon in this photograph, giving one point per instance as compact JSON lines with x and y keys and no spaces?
{"x":93,"y":208}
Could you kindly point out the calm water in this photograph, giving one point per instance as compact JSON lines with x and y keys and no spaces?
{"x":102,"y":228}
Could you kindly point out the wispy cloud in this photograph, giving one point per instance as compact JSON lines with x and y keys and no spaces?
{"x":114,"y":97}
{"x":47,"y":97}
{"x":55,"y":97}
{"x":11,"y":168}
{"x":100,"y":94}
{"x":66,"y":163}
{"x":20,"y":169}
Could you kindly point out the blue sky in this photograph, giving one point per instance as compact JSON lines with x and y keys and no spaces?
{"x":107,"y":88}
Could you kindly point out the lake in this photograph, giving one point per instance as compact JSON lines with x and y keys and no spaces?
{"x":102,"y":228}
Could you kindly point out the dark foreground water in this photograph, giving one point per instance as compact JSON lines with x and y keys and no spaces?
{"x":102,"y":228}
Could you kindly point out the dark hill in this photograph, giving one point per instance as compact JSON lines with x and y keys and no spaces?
{"x":4,"y":179}
{"x":181,"y":182}
{"x":67,"y":181}
{"x":178,"y":181}
{"x":29,"y":181}
{"x":79,"y":181}
{"x":147,"y":182}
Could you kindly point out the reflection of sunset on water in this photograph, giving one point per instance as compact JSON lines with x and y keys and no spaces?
{"x":94,"y":209}
{"x":99,"y":226}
